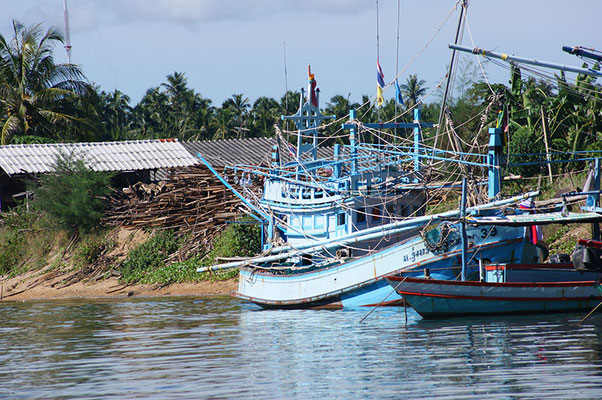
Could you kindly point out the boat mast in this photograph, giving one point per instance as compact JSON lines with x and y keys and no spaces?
{"x":449,"y":73}
{"x":522,"y":60}
{"x":308,"y":119}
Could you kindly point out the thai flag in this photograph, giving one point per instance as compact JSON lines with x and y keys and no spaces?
{"x":380,"y":77}
{"x":380,"y":80}
{"x":291,"y":149}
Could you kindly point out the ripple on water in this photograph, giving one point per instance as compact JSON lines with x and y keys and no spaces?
{"x":222,"y":348}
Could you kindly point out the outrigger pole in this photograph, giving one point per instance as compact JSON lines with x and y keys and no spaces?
{"x":287,"y":251}
{"x":522,"y":60}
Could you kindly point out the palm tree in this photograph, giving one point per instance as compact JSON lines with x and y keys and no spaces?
{"x":412,"y":90}
{"x":290,"y":102}
{"x":266,"y":113}
{"x":33,"y":89}
{"x":222,"y":123}
{"x":116,"y":113}
{"x":240,"y":105}
{"x":339,"y":106}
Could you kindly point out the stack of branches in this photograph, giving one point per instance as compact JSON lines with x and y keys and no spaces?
{"x":193,"y":203}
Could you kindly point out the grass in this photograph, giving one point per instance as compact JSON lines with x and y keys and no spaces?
{"x":31,"y":240}
{"x":142,"y":262}
{"x":26,"y":240}
{"x":148,"y":264}
{"x":90,"y":248}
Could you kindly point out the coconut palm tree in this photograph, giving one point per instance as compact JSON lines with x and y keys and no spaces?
{"x":339,"y":106}
{"x":266,"y":112}
{"x":240,"y":105}
{"x":33,"y":89}
{"x":413,"y":89}
{"x":116,"y":113}
{"x":222,"y":123}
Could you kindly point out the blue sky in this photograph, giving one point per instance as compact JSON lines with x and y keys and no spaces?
{"x":228,"y":46}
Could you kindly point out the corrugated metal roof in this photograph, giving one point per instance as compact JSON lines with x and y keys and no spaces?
{"x":228,"y":152}
{"x":249,"y":151}
{"x":99,"y":156}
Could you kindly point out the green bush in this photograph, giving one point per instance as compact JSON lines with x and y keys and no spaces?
{"x":149,"y":256}
{"x":525,"y":141}
{"x":13,"y":241}
{"x":12,"y":245}
{"x":237,"y":240}
{"x":146,"y":263}
{"x":90,"y":248}
{"x":73,"y":194}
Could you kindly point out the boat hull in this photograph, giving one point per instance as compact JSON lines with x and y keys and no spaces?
{"x":360,"y":282}
{"x":432,"y":298}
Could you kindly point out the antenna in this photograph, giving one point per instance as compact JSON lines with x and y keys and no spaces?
{"x":67,"y":32}
{"x":285,"y":78}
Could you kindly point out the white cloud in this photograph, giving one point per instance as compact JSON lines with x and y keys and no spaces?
{"x":193,"y":12}
{"x":87,"y":14}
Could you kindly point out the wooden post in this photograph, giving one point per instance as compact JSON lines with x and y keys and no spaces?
{"x":544,"y":123}
{"x":417,"y":139}
{"x":463,"y":229}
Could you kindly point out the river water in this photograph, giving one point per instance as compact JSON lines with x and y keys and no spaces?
{"x":222,"y":348}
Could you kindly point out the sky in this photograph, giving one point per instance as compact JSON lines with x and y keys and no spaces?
{"x":240,"y":46}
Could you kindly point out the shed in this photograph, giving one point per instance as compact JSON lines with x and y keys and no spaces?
{"x":137,"y":160}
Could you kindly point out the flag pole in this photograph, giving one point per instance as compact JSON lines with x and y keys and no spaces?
{"x":377,"y":59}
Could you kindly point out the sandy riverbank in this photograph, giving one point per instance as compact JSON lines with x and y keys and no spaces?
{"x":53,"y":284}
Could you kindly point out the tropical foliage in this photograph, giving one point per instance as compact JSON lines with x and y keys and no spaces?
{"x":73,"y":194}
{"x":41,"y":101}
{"x":36,"y":95}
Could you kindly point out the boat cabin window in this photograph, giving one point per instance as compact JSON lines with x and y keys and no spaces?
{"x":318,"y":194}
{"x":360,"y":215}
{"x":341,"y":219}
{"x":376,"y":213}
{"x":307,"y":222}
{"x":391,"y":211}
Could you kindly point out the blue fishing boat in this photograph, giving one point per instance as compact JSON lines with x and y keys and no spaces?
{"x":512,"y":288}
{"x":516,"y":289}
{"x":434,"y":298}
{"x":336,"y":225}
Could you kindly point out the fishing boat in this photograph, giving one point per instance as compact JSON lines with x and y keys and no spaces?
{"x":511,"y":288}
{"x":335,"y":226}
{"x":515,"y":289}
{"x":434,"y":298}
{"x":518,"y":288}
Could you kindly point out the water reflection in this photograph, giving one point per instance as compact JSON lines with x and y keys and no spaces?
{"x":222,"y":348}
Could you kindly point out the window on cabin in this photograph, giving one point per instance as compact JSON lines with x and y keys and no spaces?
{"x":391,"y":211}
{"x":307,"y":222}
{"x":341,"y":219}
{"x":360,"y":215}
{"x":376,"y":213}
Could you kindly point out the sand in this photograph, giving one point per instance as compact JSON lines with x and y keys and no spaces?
{"x":53,"y":284}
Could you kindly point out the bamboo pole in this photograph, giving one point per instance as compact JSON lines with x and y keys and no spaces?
{"x":544,"y":123}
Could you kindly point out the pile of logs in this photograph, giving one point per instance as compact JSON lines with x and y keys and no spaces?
{"x":192,"y":202}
